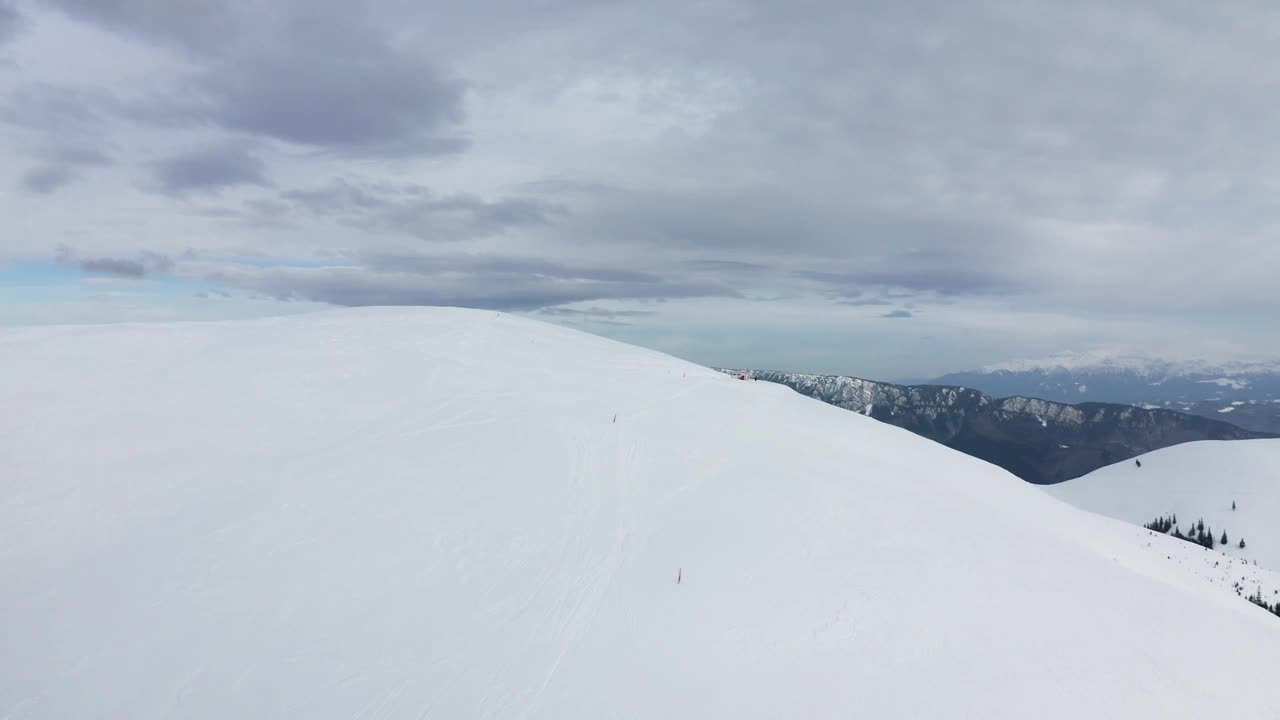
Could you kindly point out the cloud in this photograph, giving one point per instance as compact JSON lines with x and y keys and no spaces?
{"x":304,"y":73}
{"x":60,"y":166}
{"x":197,"y":26}
{"x":939,"y":270}
{"x":919,"y":278}
{"x":412,"y":209}
{"x":209,"y":169}
{"x":864,"y":301}
{"x":77,"y":155}
{"x":62,"y":111}
{"x":506,"y":283}
{"x":370,"y":99}
{"x":898,"y":314}
{"x":720,"y":265}
{"x":141,"y":265}
{"x":45,"y":179}
{"x":10,"y":21}
{"x":500,"y":267}
{"x":998,"y":163}
{"x":593,"y":313}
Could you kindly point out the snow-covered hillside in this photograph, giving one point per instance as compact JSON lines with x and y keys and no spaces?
{"x":429,"y":513}
{"x":1196,"y":480}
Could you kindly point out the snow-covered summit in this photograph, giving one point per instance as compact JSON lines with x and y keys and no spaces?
{"x":434,"y":513}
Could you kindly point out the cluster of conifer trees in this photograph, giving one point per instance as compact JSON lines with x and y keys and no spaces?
{"x":1201,"y":534}
{"x":1198,"y":533}
{"x":1257,"y":599}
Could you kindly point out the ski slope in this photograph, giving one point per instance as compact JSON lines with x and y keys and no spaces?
{"x":440,"y":513}
{"x":1195,"y":480}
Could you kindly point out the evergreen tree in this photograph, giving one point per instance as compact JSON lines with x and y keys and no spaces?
{"x":1224,"y":537}
{"x":1233,"y":504}
{"x":1200,"y":525}
{"x":1241,"y":543}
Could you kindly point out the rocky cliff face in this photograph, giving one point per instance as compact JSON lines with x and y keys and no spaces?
{"x":1040,"y":441}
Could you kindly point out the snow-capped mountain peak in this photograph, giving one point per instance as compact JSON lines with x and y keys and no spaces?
{"x":1139,"y":364}
{"x":1198,"y":387}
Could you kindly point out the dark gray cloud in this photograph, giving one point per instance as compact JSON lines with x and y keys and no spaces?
{"x":317,"y":74}
{"x":502,"y":267}
{"x":138,"y":266}
{"x":593,"y":312}
{"x":209,"y":169}
{"x":719,"y":265}
{"x":77,"y":155}
{"x":861,"y":301}
{"x":45,"y":179}
{"x":10,"y":20}
{"x":595,"y":315}
{"x":506,"y":283}
{"x":410,"y":209}
{"x":374,"y":100}
{"x":64,"y":112}
{"x":898,"y":314}
{"x":60,"y":166}
{"x":193,"y":25}
{"x":938,"y":270}
{"x":916,"y":278}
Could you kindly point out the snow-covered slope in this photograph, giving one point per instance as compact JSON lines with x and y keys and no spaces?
{"x":417,"y":513}
{"x":1196,"y":480}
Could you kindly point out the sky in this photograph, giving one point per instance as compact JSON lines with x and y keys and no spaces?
{"x":888,"y":189}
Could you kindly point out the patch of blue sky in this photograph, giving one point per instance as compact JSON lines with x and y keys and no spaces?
{"x":27,"y":273}
{"x":28,"y":281}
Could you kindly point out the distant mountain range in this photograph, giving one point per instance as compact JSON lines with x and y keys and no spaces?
{"x":1246,"y":394}
{"x":1040,"y":441}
